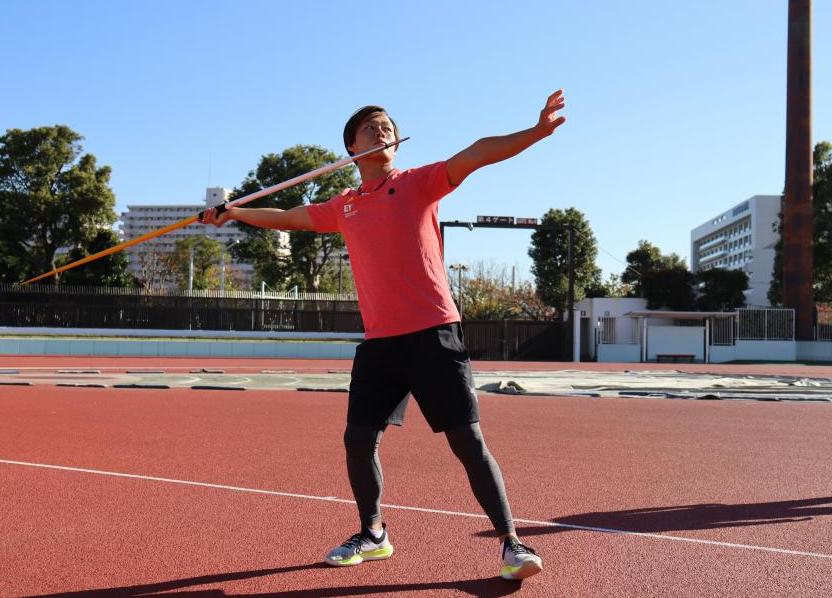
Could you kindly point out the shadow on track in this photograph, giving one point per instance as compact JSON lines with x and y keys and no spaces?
{"x":481,"y":588}
{"x":690,"y":517}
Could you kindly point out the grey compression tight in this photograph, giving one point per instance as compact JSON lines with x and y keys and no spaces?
{"x":466,"y":442}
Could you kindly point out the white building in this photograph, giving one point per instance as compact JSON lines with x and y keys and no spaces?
{"x":742,"y":238}
{"x":141,"y":219}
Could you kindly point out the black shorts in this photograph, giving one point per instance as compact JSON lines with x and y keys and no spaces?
{"x":430,"y":364}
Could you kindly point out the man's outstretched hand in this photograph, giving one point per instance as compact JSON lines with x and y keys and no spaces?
{"x":549,"y":119}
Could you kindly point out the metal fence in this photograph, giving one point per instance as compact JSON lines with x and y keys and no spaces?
{"x":823,"y":327}
{"x":759,"y":324}
{"x":610,"y":331}
{"x":91,"y":307}
{"x":524,"y":340}
{"x":606,"y":330}
{"x":722,"y":331}
{"x":53,"y":290}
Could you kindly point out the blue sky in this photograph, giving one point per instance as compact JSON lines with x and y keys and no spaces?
{"x":676,"y":110}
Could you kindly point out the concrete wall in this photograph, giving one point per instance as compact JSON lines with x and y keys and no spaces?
{"x":614,"y":307}
{"x":273,"y":335}
{"x":766,"y":350}
{"x":176,"y":348}
{"x":619,"y":353}
{"x":609,"y":306}
{"x":676,"y":340}
{"x":723,"y":354}
{"x":814,"y":350}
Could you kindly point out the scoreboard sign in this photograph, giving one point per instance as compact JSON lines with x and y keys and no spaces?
{"x":495,"y":219}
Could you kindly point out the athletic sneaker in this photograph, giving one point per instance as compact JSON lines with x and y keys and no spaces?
{"x":519,"y":561}
{"x":359,"y":548}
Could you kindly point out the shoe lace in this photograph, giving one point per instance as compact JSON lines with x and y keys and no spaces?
{"x":518,"y":548}
{"x":354,"y":543}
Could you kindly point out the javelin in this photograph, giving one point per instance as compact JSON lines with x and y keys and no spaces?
{"x":220,"y":209}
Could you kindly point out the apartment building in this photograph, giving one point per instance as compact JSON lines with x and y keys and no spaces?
{"x":142,"y":219}
{"x":741,"y":238}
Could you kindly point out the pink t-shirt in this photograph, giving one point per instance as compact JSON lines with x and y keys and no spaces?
{"x":392,"y":235}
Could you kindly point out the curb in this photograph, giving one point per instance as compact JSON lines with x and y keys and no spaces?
{"x":81,"y":385}
{"x":157,"y":386}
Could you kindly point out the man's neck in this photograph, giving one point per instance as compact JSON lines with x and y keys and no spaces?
{"x":371,"y":172}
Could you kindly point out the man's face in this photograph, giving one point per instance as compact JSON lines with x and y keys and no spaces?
{"x":372,"y":132}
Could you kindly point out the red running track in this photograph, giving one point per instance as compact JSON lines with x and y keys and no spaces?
{"x":748,"y":480}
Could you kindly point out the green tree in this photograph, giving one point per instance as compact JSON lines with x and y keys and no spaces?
{"x":52,"y":196}
{"x":720,"y":289}
{"x":643,"y":260}
{"x":309,"y":253}
{"x":206,"y":252}
{"x":612,"y":287}
{"x":486,"y":292}
{"x":527,"y":304}
{"x":822,"y":237}
{"x":337,"y":276}
{"x":549,"y":253}
{"x":110,"y":271}
{"x":669,"y":288}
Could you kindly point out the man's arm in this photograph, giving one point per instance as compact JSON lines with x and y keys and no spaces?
{"x":496,"y":149}
{"x":296,"y":218}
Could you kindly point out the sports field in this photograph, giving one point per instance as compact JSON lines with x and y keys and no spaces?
{"x":179,"y":491}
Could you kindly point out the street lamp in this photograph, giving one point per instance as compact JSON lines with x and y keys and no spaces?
{"x":460,"y":268}
{"x":191,"y":267}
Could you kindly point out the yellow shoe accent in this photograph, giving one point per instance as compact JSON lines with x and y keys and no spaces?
{"x":523,"y":571}
{"x":378,"y":554}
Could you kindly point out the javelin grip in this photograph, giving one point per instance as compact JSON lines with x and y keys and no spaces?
{"x":223,"y":207}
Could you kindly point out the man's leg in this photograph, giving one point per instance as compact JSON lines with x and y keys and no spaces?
{"x":367,"y":481}
{"x":364,"y":470}
{"x":518,"y":560}
{"x":484,"y":475}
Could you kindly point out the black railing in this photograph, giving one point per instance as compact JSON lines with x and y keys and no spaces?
{"x":76,"y":307}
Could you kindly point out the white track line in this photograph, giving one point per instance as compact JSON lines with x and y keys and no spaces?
{"x":419,"y":509}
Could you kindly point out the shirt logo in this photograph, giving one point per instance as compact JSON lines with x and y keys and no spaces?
{"x":348,"y":211}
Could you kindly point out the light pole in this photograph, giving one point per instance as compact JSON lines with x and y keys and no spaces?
{"x":460,"y":268}
{"x":191,"y":267}
{"x":222,"y":270}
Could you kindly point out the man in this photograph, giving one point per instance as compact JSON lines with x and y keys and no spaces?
{"x":414,"y":341}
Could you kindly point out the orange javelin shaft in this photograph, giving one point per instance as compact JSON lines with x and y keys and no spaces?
{"x":221,"y":208}
{"x":117,"y":248}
